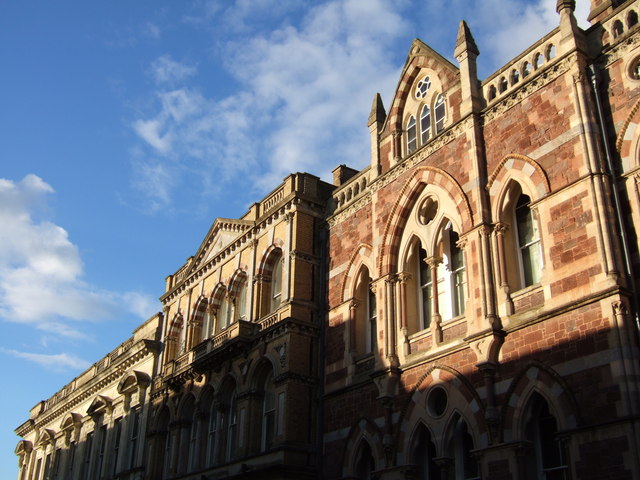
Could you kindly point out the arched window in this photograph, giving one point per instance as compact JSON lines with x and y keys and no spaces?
{"x":632,"y":19}
{"x":423,"y":454}
{"x":492,"y":92}
{"x":528,"y":244}
{"x":425,"y":124}
{"x":276,"y":283}
{"x":365,"y":463}
{"x":426,"y":288}
{"x":503,"y":84}
{"x":411,"y":135}
{"x":458,"y":273}
{"x":241,"y":302}
{"x":465,"y":465}
{"x":440,"y":113}
{"x":526,"y":69}
{"x":268,"y":412}
{"x":541,"y":430}
{"x":538,"y":60}
{"x":174,"y":339}
{"x":515,"y":77}
{"x":186,"y":435}
{"x":617,"y":28}
{"x":223,"y":317}
{"x":365,"y":329}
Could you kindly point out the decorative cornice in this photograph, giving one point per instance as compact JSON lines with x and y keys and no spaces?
{"x":536,"y":83}
{"x":350,"y":209}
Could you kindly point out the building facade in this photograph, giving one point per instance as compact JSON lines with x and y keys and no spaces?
{"x":465,"y":307}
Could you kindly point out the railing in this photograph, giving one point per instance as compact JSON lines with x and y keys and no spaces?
{"x":272,"y":200}
{"x":239,"y":329}
{"x":267,"y":322}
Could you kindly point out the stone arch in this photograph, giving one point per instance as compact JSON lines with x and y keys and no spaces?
{"x":522,"y":169}
{"x":133,"y":380}
{"x":362,"y":429}
{"x":266,"y":264}
{"x":628,"y":141}
{"x":401,"y":210}
{"x":259,"y":369}
{"x":238,"y":278}
{"x":537,"y":377}
{"x":363,"y":255}
{"x":463,"y":398}
{"x":218,"y":294}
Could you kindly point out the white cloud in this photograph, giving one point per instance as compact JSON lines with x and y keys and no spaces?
{"x":41,"y":270}
{"x":165,"y":70}
{"x":59,"y":363}
{"x":304,"y":93}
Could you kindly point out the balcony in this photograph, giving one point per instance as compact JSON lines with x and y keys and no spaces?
{"x":239,"y":332}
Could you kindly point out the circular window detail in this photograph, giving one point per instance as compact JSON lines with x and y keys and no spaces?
{"x":423,"y":87}
{"x":634,"y":69}
{"x":427,"y":211}
{"x":437,"y":401}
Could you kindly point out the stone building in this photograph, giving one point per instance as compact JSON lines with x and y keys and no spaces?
{"x":465,"y":307}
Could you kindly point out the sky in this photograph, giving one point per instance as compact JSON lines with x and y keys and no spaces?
{"x":128,"y":127}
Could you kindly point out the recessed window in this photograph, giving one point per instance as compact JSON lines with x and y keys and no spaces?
{"x":437,"y":401}
{"x":551,"y":52}
{"x":632,"y":19}
{"x":411,"y":135}
{"x":503,"y":85}
{"x":617,"y":28}
{"x":526,"y":69}
{"x":515,"y":77}
{"x":538,"y":61}
{"x":427,"y":210}
{"x":634,"y":69}
{"x":492,"y":92}
{"x":528,"y":242}
{"x":440,"y":113}
{"x":425,"y":124}
{"x":422,"y":88}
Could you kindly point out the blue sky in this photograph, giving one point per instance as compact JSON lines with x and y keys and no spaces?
{"x":128,"y":127}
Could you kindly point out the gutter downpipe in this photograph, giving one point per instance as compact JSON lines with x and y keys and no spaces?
{"x":594,"y":75}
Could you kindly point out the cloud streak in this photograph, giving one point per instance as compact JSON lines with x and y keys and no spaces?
{"x":58,"y":363}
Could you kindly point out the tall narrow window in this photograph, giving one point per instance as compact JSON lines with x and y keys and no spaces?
{"x":71,"y":458}
{"x":47,"y":466}
{"x":423,"y":454}
{"x":102,"y":442}
{"x":241,"y":303}
{"x":87,"y":454}
{"x":373,"y":321}
{"x":56,"y":464}
{"x":440,"y":113}
{"x":466,"y":467}
{"x":268,"y":413}
{"x":276,"y":284}
{"x":232,"y":427}
{"x":38,"y":468}
{"x":542,"y":431}
{"x":224,"y":313}
{"x":425,"y":124}
{"x":458,"y":277}
{"x":211,"y":436}
{"x":426,"y":288}
{"x":528,"y":242}
{"x":365,"y":464}
{"x":411,"y":135}
{"x":193,"y":440}
{"x":117,"y":432}
{"x":133,"y":439}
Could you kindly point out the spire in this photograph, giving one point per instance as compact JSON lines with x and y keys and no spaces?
{"x":465,"y":41}
{"x":378,"y":114}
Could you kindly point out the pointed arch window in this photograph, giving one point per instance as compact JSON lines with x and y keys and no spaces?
{"x":365,"y":463}
{"x":426,"y":288}
{"x":541,"y":430}
{"x":425,"y":124}
{"x":530,"y":257}
{"x":440,"y":113}
{"x":372,"y":321}
{"x":411,"y":135}
{"x":423,"y":454}
{"x":465,"y":465}
{"x":364,"y":328}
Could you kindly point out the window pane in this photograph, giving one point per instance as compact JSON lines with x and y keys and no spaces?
{"x":411,"y":135}
{"x":425,"y":124}
{"x":440,"y":113}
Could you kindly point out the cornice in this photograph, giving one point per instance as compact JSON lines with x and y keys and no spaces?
{"x":148,"y":347}
{"x":539,"y":81}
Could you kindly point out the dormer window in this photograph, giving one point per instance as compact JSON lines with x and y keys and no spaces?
{"x":422,"y":88}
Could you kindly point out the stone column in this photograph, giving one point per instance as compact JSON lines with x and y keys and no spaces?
{"x":436,"y":319}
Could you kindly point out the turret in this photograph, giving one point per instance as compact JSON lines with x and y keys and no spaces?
{"x":466,"y":52}
{"x":376,"y":120}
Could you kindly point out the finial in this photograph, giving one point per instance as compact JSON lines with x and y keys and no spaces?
{"x":562,"y":4}
{"x":378,"y":114}
{"x":465,"y":40}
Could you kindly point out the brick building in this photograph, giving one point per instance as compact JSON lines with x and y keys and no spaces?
{"x":464,"y":307}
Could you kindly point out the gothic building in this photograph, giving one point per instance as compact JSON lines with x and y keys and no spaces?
{"x":465,"y":307}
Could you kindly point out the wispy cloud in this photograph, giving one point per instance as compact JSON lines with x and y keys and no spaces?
{"x":41,"y":272}
{"x":59,"y":363}
{"x":300,"y":103}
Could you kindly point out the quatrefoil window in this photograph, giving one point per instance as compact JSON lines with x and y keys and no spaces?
{"x":423,"y":87}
